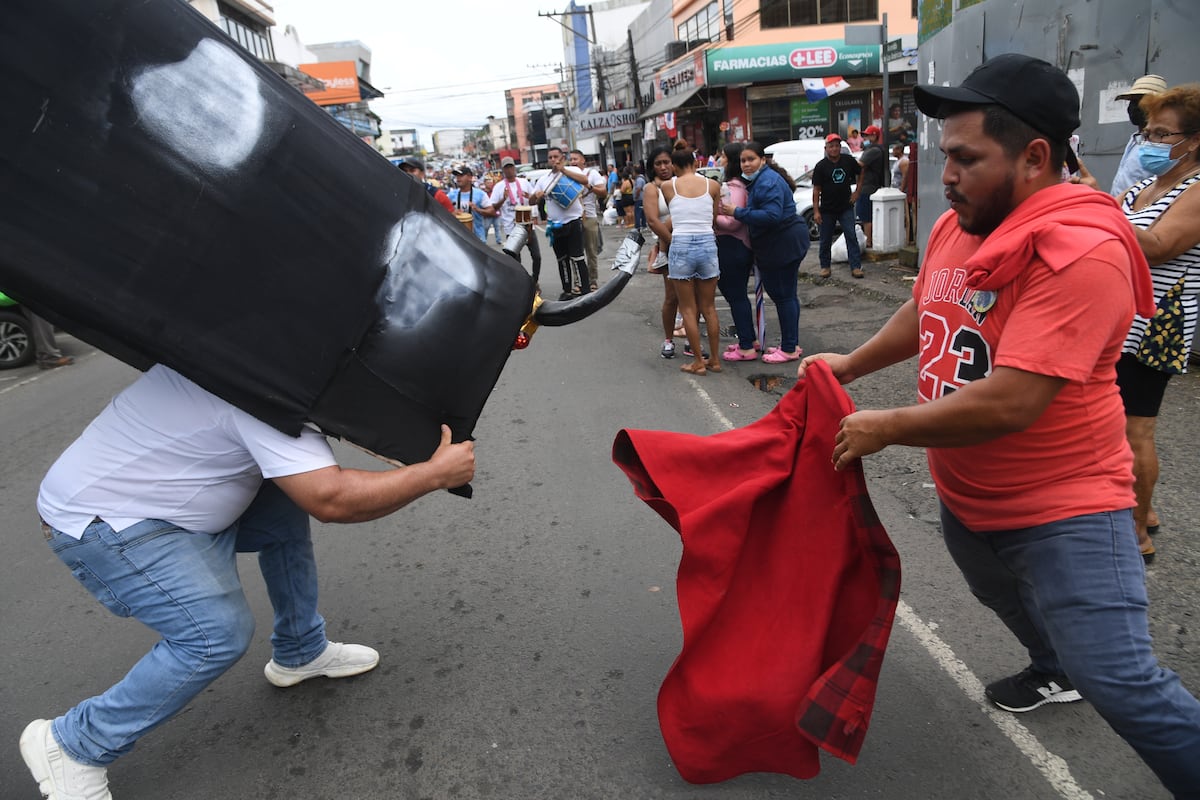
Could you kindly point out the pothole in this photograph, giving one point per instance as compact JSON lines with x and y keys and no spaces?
{"x":773,"y":384}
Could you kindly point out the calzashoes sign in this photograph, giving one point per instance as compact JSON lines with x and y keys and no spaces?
{"x":600,"y":122}
{"x":789,"y":61}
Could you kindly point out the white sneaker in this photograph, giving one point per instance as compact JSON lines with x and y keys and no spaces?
{"x":59,"y":776}
{"x":338,"y":661}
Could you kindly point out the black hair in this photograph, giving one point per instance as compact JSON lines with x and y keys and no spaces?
{"x":783,"y":173}
{"x":756,"y":147}
{"x":733,"y":159}
{"x":683,"y":158}
{"x":656,"y":152}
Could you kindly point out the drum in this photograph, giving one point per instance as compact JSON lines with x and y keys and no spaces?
{"x":467,"y":219}
{"x":564,"y":191}
{"x":523,"y":215}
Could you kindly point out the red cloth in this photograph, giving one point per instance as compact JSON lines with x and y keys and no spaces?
{"x":787,"y":588}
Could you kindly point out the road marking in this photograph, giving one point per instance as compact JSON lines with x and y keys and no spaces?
{"x":19,"y":384}
{"x":1053,"y":768}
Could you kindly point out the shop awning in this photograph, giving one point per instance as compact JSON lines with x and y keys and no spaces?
{"x":669,"y":104}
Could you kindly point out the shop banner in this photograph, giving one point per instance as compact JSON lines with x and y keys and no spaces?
{"x":601,"y":122}
{"x":685,"y":75}
{"x":789,"y":61}
{"x":809,"y":120}
{"x":340,"y":79}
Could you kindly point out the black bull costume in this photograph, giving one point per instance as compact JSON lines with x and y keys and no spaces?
{"x":168,"y":198}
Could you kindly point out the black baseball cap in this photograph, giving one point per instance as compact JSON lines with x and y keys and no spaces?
{"x":413,"y":163}
{"x":1035,"y":91}
{"x":462,"y":169}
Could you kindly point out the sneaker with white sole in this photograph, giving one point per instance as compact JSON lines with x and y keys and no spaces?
{"x":1029,"y":689}
{"x":338,"y":661}
{"x":668,"y":349}
{"x":59,"y":776}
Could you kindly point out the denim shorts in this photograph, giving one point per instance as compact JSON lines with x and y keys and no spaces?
{"x":693,"y":256}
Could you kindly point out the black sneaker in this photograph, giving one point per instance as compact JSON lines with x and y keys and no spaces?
{"x":687,"y":351}
{"x":1029,"y":689}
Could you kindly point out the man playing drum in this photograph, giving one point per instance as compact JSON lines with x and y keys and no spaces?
{"x":510,"y":194}
{"x":562,"y":189}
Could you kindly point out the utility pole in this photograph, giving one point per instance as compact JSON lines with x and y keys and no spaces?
{"x":637,"y":90}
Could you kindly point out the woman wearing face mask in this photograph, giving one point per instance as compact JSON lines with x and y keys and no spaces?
{"x":736,"y":259}
{"x":1165,"y":210}
{"x":779,"y":239}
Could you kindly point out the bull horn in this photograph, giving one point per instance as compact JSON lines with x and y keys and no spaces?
{"x":556,"y":313}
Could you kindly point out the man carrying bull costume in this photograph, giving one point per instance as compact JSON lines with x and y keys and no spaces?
{"x":562,"y":189}
{"x":149,"y":508}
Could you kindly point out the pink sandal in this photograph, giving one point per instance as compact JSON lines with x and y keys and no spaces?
{"x":735,"y":354}
{"x":736,"y":346}
{"x":778,"y":356}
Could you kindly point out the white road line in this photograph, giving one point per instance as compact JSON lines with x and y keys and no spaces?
{"x":19,"y":384}
{"x":1053,"y":767}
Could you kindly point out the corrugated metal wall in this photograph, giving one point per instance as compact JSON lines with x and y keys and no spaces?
{"x":1103,"y":44}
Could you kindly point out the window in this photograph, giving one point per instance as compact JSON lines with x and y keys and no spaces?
{"x":791,"y":13}
{"x":247,"y":32}
{"x":771,"y":120}
{"x":703,"y":26}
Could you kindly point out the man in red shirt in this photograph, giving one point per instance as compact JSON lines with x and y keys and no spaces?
{"x":1018,"y":316}
{"x":415,"y":168}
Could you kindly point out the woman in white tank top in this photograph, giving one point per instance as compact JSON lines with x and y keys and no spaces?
{"x":693,"y":267}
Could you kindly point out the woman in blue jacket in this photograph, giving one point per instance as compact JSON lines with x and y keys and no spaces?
{"x":779,"y":239}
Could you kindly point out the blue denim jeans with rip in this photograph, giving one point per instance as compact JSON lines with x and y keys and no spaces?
{"x":1074,"y":594}
{"x":185,"y":586}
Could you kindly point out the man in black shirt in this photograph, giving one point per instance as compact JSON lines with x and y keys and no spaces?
{"x":834,"y":196}
{"x":874,"y":163}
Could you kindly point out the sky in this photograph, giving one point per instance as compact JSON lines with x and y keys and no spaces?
{"x":439,"y":63}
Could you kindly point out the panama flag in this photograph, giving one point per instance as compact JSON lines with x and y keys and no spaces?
{"x":819,"y":88}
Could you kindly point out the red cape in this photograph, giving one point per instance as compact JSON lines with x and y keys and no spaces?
{"x":787,"y":588}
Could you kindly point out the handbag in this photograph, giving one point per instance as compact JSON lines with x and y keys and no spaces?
{"x":1163,"y":346}
{"x":564,"y":191}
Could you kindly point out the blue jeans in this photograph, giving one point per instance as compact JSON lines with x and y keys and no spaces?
{"x":780,"y":286}
{"x":829,"y":220}
{"x":736,"y":260}
{"x":1074,"y":594}
{"x":185,"y":586}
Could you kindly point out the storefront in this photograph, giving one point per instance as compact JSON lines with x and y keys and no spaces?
{"x":607,"y":135}
{"x":685,"y":107}
{"x":777,"y":106}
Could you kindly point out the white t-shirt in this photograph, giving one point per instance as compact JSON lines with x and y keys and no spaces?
{"x":166,"y":449}
{"x":555,"y":212}
{"x":507,"y":196}
{"x":594,"y":179}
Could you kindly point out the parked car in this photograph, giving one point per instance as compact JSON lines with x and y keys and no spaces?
{"x":16,"y":335}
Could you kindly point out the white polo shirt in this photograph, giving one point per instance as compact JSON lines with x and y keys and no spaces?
{"x":166,"y":449}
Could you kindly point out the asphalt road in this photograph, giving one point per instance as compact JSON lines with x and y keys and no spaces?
{"x":524,"y":633}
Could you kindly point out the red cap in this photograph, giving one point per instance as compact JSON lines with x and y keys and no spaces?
{"x":833,"y":137}
{"x":871,"y":130}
